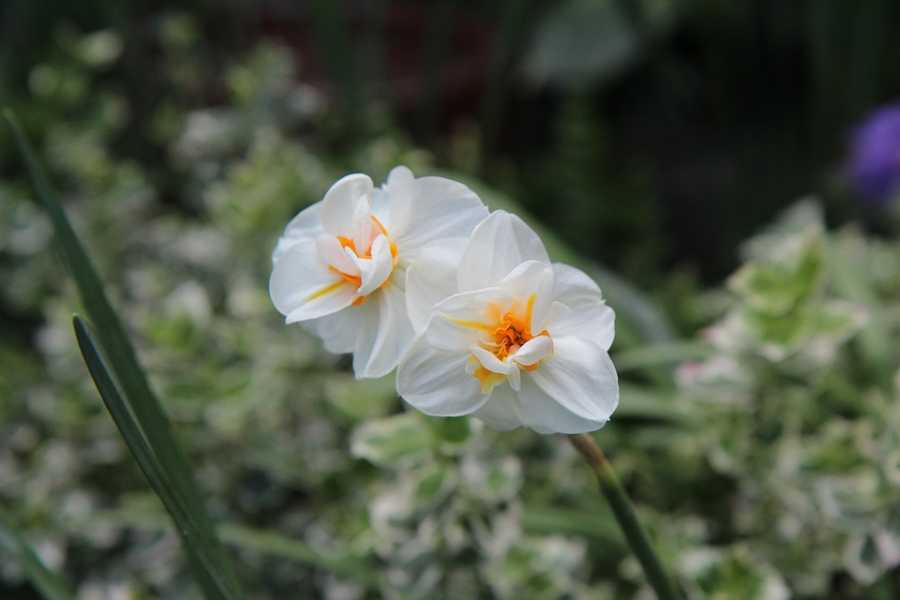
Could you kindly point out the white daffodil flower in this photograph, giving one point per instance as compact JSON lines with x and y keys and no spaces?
{"x":517,"y":340}
{"x":340,"y":265}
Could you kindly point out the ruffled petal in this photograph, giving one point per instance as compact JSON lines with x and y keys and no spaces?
{"x":532,"y":277}
{"x":461,"y":320}
{"x":501,"y":411}
{"x":363,"y":228}
{"x":437,"y":208}
{"x":342,"y":202}
{"x":333,"y":254}
{"x":338,"y":331}
{"x":498,"y":245}
{"x":436,"y":382}
{"x":385,"y":335}
{"x":545,"y":415}
{"x":398,"y":189}
{"x":432,"y":278}
{"x":581,"y":377}
{"x":495,"y":365}
{"x":305,"y":225}
{"x":374,"y":271}
{"x":491,"y":362}
{"x":585,"y":313}
{"x":332,"y":302}
{"x":533,"y":351}
{"x":380,"y":206}
{"x":303,"y":288}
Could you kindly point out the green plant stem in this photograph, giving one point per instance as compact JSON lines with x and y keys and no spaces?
{"x":624,"y":512}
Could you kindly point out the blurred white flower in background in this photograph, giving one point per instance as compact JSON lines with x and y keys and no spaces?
{"x":341,"y":264}
{"x":516,"y":340}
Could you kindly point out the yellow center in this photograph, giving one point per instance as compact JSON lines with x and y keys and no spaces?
{"x":356,"y":280}
{"x":367,"y":251}
{"x":506,"y":332}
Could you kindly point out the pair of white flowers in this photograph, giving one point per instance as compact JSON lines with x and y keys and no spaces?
{"x":418,"y":276}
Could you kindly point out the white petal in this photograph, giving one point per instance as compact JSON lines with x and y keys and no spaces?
{"x":305,"y":225}
{"x":581,"y":377}
{"x":332,"y":253}
{"x":498,"y":245}
{"x":329,"y":304}
{"x":534,"y":351}
{"x":491,"y":362}
{"x":303,"y":288}
{"x":363,"y":229}
{"x":514,"y":378}
{"x":380,"y":206}
{"x":532,"y":277}
{"x":385,"y":334}
{"x":338,"y":331}
{"x":436,"y":382}
{"x":456,"y":323}
{"x":432,"y":278}
{"x":438,"y":208}
{"x":545,"y":415}
{"x":398,"y":189}
{"x":367,"y":332}
{"x":495,"y":365}
{"x":501,"y":411}
{"x":588,"y":315}
{"x":342,"y":202}
{"x":374,"y":271}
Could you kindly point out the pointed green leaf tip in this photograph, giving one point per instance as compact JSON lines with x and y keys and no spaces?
{"x":127,"y":394}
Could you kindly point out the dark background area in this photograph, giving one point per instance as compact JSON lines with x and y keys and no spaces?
{"x":651,"y":135}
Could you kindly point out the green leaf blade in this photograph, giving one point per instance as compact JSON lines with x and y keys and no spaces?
{"x":127,"y":394}
{"x":204,"y":557}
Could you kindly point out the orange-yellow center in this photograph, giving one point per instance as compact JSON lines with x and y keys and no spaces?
{"x":487,"y":379}
{"x":347,"y":242}
{"x":507,"y":331}
{"x":355,"y":280}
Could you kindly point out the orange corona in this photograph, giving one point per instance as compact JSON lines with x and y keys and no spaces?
{"x":506,"y":333}
{"x":356,"y":280}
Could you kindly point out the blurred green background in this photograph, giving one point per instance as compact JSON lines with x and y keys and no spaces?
{"x":661,"y":145}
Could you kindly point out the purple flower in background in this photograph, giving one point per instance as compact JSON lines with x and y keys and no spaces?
{"x":875,"y":155}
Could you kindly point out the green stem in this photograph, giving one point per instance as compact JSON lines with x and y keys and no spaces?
{"x":624,"y":511}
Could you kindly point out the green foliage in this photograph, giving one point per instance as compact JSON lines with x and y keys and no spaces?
{"x":794,"y":418}
{"x":397,"y":440}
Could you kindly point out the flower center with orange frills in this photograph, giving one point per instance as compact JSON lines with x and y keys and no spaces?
{"x":366,"y":252}
{"x":511,"y":334}
{"x":507,"y":331}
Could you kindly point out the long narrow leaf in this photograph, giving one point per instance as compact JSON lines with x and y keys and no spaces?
{"x":140,"y":412}
{"x":49,"y":584}
{"x":205,"y":566}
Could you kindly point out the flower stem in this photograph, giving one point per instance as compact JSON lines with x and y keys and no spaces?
{"x":624,"y":511}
